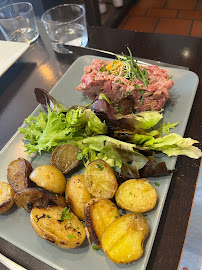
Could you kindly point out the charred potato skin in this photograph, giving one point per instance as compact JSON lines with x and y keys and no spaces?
{"x":57,"y":199}
{"x":100,"y":179}
{"x":30,"y":198}
{"x":123,"y":239}
{"x":49,"y":177}
{"x":77,"y":195}
{"x":99,"y":213}
{"x":64,"y":157}
{"x":6,"y":197}
{"x":18,"y":174}
{"x":136,"y":195}
{"x":37,"y":197}
{"x":47,"y":223}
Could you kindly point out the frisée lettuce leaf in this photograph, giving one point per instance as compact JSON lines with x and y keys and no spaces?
{"x":45,"y":132}
{"x":81,"y":126}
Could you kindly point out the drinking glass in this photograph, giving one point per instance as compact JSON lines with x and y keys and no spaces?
{"x":66,"y":24}
{"x":18,"y":23}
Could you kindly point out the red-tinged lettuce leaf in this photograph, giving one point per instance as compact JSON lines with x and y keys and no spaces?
{"x":46,"y":100}
{"x":126,"y":105}
{"x":127,"y":160}
{"x":152,"y":168}
{"x":116,"y":120}
{"x":102,"y":106}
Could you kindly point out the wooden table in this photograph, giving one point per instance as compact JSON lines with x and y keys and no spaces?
{"x":41,"y":67}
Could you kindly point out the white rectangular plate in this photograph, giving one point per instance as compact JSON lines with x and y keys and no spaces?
{"x":9,"y":53}
{"x":15,"y":225}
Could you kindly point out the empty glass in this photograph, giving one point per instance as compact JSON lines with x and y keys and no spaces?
{"x":66,"y":24}
{"x":18,"y":23}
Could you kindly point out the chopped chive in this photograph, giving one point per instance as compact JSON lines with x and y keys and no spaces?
{"x":103,"y":69}
{"x":156,"y":184}
{"x":70,"y":236}
{"x":100,"y":166}
{"x":132,"y":70}
{"x":95,"y":248}
{"x":65,"y":214}
{"x":79,"y":155}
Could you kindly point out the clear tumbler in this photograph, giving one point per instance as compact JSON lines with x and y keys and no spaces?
{"x":66,"y":24}
{"x":18,"y":23}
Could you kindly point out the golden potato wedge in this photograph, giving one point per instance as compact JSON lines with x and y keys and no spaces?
{"x":77,"y":195}
{"x":6,"y":197}
{"x":136,"y":195}
{"x":100,"y":179}
{"x":64,"y":157}
{"x":18,"y":174}
{"x":123,"y":239}
{"x":100,"y":213}
{"x":58,"y":226}
{"x":35,"y":197}
{"x":49,"y":177}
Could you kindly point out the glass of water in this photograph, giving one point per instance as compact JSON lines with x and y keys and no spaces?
{"x":18,"y":23}
{"x":66,"y":24}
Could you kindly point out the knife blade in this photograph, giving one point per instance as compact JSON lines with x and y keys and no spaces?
{"x":97,"y":52}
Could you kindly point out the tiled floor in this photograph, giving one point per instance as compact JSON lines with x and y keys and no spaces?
{"x":178,"y":17}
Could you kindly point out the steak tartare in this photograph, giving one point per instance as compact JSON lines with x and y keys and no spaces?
{"x":111,"y":79}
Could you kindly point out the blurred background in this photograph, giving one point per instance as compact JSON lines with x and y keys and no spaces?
{"x":178,"y":17}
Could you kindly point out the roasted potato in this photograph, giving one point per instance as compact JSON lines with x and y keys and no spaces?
{"x":6,"y":197}
{"x":136,"y":195}
{"x":100,"y":179}
{"x":49,"y":177}
{"x":29,"y":198}
{"x":55,"y":198}
{"x":18,"y":174}
{"x":77,"y":195}
{"x":100,"y":213}
{"x":123,"y":239}
{"x":64,"y":157}
{"x":58,"y":226}
{"x":34,"y":197}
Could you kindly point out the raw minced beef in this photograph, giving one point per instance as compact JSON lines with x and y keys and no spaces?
{"x":117,"y":88}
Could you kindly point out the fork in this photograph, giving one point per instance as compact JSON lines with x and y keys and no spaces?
{"x":10,"y":264}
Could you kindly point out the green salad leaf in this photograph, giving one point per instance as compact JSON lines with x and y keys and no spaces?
{"x":94,"y":124}
{"x":45,"y":132}
{"x":165,"y":128}
{"x":143,"y":120}
{"x":171,"y":145}
{"x":113,"y":151}
{"x":76,"y":117}
{"x":80,"y":126}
